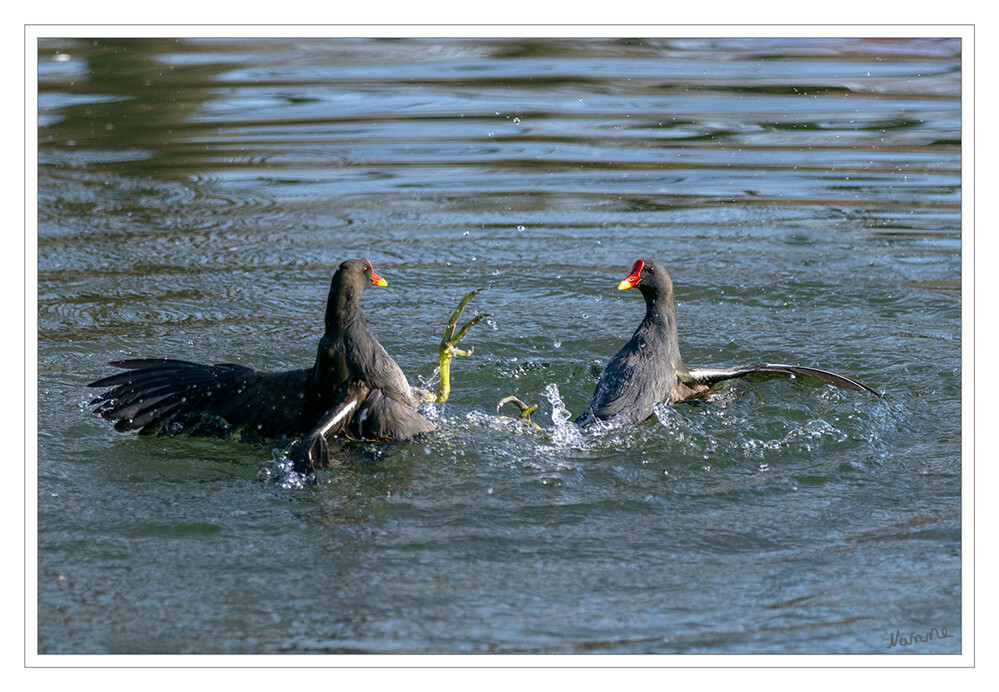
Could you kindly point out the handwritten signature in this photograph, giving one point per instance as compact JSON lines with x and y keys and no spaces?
{"x":897,"y":639}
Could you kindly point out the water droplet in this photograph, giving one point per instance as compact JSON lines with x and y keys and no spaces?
{"x":521,"y":228}
{"x":557,"y":343}
{"x":516,"y":121}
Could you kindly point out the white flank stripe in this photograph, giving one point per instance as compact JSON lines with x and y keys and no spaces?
{"x":338,"y":417}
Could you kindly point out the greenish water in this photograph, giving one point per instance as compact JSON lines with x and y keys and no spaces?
{"x":195,"y":197}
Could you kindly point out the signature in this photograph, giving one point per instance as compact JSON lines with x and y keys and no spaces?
{"x":898,"y":639}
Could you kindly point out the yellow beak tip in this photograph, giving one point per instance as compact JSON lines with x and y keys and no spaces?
{"x":623,"y":285}
{"x":381,"y":282}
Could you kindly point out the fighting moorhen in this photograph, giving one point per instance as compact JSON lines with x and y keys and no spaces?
{"x":649,"y":369}
{"x":354,"y":388}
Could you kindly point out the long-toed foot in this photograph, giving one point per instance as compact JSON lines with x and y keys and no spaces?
{"x":448,"y":347}
{"x":310,"y":453}
{"x":525,"y":410}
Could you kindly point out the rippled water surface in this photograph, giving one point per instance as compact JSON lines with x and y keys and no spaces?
{"x":195,"y":197}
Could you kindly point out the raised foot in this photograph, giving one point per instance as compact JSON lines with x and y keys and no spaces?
{"x":448,"y":347}
{"x":525,"y":410}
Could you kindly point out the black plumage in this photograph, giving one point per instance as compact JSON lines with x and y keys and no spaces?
{"x":354,"y":388}
{"x":649,"y":370}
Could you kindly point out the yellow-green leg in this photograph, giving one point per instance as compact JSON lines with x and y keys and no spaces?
{"x":525,"y":410}
{"x":448,"y":349}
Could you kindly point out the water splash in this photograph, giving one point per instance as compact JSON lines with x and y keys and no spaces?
{"x":685,"y":432}
{"x":564,"y":431}
{"x":430,"y":383}
{"x":433,"y":412}
{"x":279,"y":470}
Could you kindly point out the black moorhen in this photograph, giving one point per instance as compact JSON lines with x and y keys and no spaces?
{"x":649,"y":369}
{"x":354,"y":388}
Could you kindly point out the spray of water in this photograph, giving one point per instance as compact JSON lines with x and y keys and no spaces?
{"x":564,"y":431}
{"x":279,"y":470}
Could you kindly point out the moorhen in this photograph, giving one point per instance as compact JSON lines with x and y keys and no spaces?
{"x":354,"y":388}
{"x":649,"y":369}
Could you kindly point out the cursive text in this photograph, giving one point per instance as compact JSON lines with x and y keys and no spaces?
{"x":897,"y":639}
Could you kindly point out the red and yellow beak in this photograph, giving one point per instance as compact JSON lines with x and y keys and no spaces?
{"x":375,"y":278}
{"x":632,"y":279}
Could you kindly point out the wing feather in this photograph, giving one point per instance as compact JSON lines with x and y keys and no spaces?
{"x":206,"y":399}
{"x":711,"y":376}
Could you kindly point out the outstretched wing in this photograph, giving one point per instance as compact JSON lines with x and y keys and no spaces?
{"x":180,"y":396}
{"x":711,"y":376}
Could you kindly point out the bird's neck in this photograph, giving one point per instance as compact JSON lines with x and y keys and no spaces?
{"x":660,"y":321}
{"x":343,"y":309}
{"x":344,"y":320}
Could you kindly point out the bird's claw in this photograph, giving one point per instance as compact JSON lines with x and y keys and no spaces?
{"x":451,"y":337}
{"x":448,"y":347}
{"x":525,"y":410}
{"x":456,"y":315}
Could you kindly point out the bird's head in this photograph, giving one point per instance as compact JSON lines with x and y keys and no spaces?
{"x":370,"y":272}
{"x":359,"y":273}
{"x":648,"y":274}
